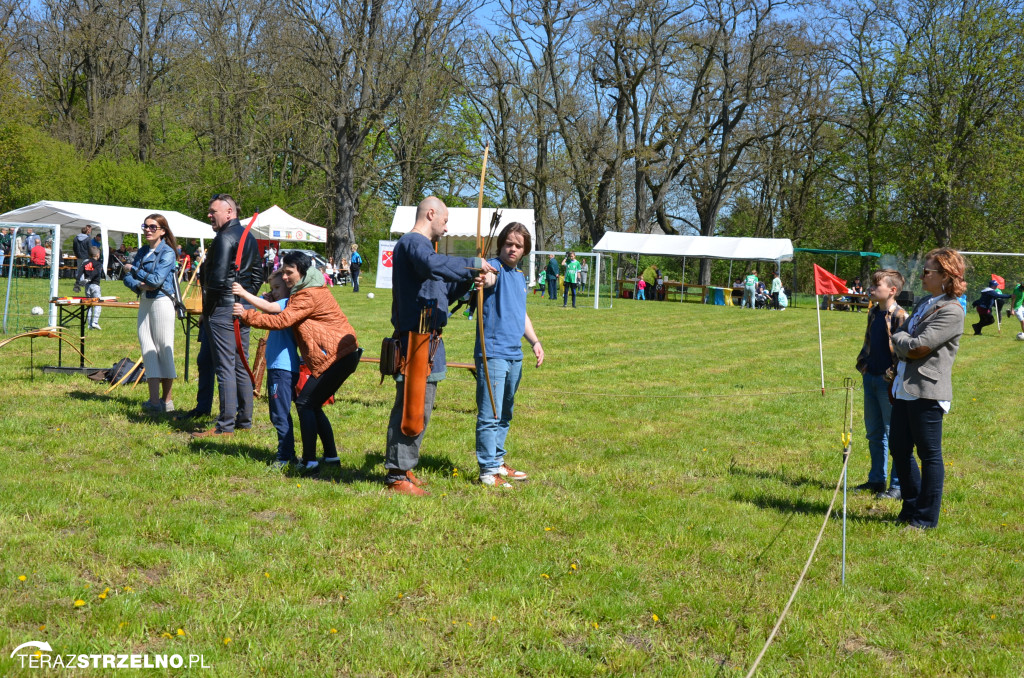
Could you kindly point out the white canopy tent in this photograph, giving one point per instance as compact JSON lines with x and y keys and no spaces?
{"x":701,"y":247}
{"x":112,"y":221}
{"x":777,"y":250}
{"x":462,"y":225}
{"x":276,"y":224}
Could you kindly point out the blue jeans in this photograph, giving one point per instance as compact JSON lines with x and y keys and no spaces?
{"x":353,"y":271}
{"x":877,"y":413}
{"x":280,"y":391}
{"x":492,"y":427}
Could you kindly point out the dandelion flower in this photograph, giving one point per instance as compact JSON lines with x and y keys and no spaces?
{"x":22,"y":578}
{"x":399,"y":595}
{"x":595,"y":625}
{"x":166,"y":635}
{"x":43,"y":627}
{"x":334,"y":630}
{"x":548,"y":529}
{"x":227,"y":640}
{"x":544,"y":576}
{"x":654,"y":617}
{"x":572,"y":566}
{"x":493,"y":618}
{"x":102,"y":596}
{"x":79,"y":603}
{"x":423,"y":619}
{"x":267,"y":575}
{"x":298,"y":484}
{"x":992,"y":616}
{"x":88,"y":585}
{"x":181,"y":632}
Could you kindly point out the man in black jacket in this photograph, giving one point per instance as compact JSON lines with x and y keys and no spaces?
{"x":217,"y":276}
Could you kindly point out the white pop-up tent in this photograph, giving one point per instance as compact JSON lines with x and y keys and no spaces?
{"x":462,"y":222}
{"x":462,"y":225}
{"x":701,"y":247}
{"x":276,"y":224}
{"x":113,"y":222}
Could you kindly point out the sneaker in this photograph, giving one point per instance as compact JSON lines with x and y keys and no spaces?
{"x":495,"y":480}
{"x":870,"y":487}
{"x":511,"y":473}
{"x":309,"y":466}
{"x":95,"y":326}
{"x":151,"y":406}
{"x":331,"y":460}
{"x":168,"y":406}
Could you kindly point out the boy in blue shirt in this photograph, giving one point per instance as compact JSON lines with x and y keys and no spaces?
{"x":505,"y":325}
{"x":282,"y":366}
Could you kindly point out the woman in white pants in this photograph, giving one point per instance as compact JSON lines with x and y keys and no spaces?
{"x":151,"y":275}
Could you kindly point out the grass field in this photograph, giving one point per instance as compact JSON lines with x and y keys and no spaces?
{"x":677,"y":484}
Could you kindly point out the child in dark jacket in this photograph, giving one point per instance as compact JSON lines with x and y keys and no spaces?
{"x":88,"y":276}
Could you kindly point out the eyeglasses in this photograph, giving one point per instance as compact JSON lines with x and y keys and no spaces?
{"x":150,"y":227}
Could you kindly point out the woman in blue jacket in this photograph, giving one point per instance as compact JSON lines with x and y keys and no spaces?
{"x":151,"y":275}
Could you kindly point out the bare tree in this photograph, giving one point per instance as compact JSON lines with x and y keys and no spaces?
{"x":346,"y":65}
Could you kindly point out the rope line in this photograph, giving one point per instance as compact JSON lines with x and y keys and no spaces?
{"x":814,"y":549}
{"x":577,"y":394}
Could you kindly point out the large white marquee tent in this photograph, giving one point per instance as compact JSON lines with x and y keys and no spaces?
{"x":701,"y":247}
{"x":113,"y":222}
{"x":276,"y":224}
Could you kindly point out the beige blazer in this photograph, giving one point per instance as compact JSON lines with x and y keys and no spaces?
{"x":939,"y":330}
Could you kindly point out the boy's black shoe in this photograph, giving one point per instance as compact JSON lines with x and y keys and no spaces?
{"x":870,"y":487}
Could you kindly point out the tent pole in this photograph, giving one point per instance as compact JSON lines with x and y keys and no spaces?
{"x":597,"y":280}
{"x":729,"y":281}
{"x":54,"y":270}
{"x":682,"y":282}
{"x":10,"y":276}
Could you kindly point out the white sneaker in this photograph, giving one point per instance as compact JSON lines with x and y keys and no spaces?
{"x":1020,"y":336}
{"x":95,"y":326}
{"x":169,"y":406}
{"x":495,"y":480}
{"x":511,"y":473}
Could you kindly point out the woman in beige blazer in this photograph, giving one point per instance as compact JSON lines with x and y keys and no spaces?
{"x":926,"y":346}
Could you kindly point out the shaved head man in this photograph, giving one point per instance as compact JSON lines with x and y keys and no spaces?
{"x":424,"y":283}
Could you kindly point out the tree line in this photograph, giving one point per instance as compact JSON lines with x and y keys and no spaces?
{"x":873,"y":125}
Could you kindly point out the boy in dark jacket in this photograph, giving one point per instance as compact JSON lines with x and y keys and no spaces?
{"x":88,"y":275}
{"x":877,"y":363}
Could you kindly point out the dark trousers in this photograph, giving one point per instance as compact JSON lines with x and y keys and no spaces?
{"x":775,"y":300}
{"x":565,"y":293}
{"x":985,"y":318}
{"x":313,"y":422}
{"x":552,"y":287}
{"x":918,"y":423}
{"x":280,"y":392}
{"x":354,"y":272}
{"x":233,"y":383}
{"x":204,"y":368}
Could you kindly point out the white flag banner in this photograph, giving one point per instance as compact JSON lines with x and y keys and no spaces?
{"x":385,"y":263}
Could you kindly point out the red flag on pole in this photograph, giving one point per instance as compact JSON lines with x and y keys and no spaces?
{"x":999,"y":279}
{"x":826,"y":283}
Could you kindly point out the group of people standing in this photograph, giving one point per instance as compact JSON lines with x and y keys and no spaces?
{"x":312,"y":348}
{"x":575,"y":276}
{"x":906,"y":363}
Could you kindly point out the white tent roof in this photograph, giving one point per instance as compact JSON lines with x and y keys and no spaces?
{"x":462,"y":221}
{"x":276,"y":224}
{"x":72,"y":216}
{"x":753,"y":249}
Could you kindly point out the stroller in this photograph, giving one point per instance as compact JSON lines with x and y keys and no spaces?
{"x":117,"y":263}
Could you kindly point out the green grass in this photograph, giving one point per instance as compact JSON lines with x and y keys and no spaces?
{"x":700,"y":511}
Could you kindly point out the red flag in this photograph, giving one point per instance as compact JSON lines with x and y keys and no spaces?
{"x":999,"y":279}
{"x":826,"y":283}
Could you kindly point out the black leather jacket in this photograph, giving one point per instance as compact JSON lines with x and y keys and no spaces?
{"x":218,"y":272}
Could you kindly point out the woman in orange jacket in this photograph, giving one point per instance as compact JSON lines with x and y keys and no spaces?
{"x":326,"y":342}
